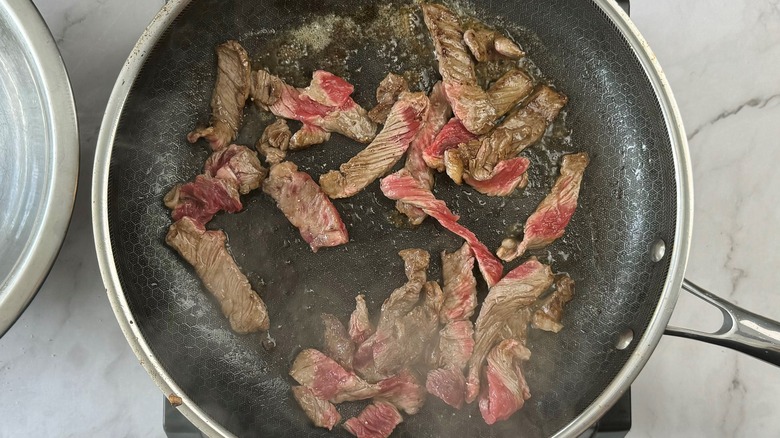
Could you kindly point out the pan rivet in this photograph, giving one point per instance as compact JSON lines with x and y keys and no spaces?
{"x":624,"y":339}
{"x":657,"y":250}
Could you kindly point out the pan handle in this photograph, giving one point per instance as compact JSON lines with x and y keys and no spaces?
{"x":742,"y":330}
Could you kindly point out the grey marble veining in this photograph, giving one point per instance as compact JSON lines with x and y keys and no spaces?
{"x":65,"y":367}
{"x":66,"y":370}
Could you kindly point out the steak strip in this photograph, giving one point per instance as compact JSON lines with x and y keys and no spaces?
{"x":227,"y":173}
{"x":238,"y":164}
{"x":520,"y":129}
{"x":450,"y":136}
{"x":401,"y":186}
{"x":360,"y":327}
{"x":489,"y":45}
{"x":456,"y":338}
{"x":305,"y":206}
{"x":230,"y":94}
{"x":447,"y":384}
{"x":206,"y":252}
{"x":469,"y":101}
{"x":403,"y":124}
{"x":202,"y":198}
{"x":321,"y":412}
{"x":436,"y":117}
{"x":275,"y":141}
{"x":378,"y":420}
{"x":549,"y":313}
{"x":508,"y":90}
{"x":406,"y":322}
{"x":456,"y":345}
{"x":400,"y":302}
{"x":328,"y":380}
{"x":553,"y":214}
{"x":506,"y":177}
{"x":460,"y":286}
{"x":477,"y":109}
{"x":506,"y":390}
{"x":504,"y":314}
{"x":338,"y":344}
{"x":387,"y":93}
{"x":325,"y":105}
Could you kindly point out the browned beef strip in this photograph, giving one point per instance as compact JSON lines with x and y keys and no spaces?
{"x":437,"y":116}
{"x":550,"y":311}
{"x":230,"y":94}
{"x":360,"y":327}
{"x":238,"y":164}
{"x":403,"y":390}
{"x":305,"y":206}
{"x":403,"y":299}
{"x":321,"y":412}
{"x":308,"y":135}
{"x":448,"y":384}
{"x":275,"y":141}
{"x":521,"y":128}
{"x":405,"y":343}
{"x":338,"y":346}
{"x":456,"y":338}
{"x":378,"y":420}
{"x":265,"y":89}
{"x":469,"y":102}
{"x":460,"y":286}
{"x":226,"y":174}
{"x":504,"y":314}
{"x":401,"y":186}
{"x":509,"y":90}
{"x":202,"y":198}
{"x":505,"y":389}
{"x":325,"y":105}
{"x":403,"y":124}
{"x":455,"y":63}
{"x":456,"y":344}
{"x":206,"y":252}
{"x":400,"y":302}
{"x":386,"y":94}
{"x":346,"y":116}
{"x":528,"y":123}
{"x":328,"y":380}
{"x":488,"y":45}
{"x":272,"y":154}
{"x":553,"y":214}
{"x":507,"y":176}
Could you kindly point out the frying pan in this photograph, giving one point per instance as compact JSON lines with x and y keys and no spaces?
{"x":626,"y":247}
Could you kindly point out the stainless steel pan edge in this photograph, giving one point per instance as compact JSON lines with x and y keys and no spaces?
{"x":645,"y":346}
{"x":681,"y":245}
{"x":108,"y":270}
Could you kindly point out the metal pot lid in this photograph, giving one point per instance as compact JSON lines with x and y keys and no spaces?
{"x":40,"y":153}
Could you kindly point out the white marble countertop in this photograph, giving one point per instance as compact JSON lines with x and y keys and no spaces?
{"x":66,"y":369}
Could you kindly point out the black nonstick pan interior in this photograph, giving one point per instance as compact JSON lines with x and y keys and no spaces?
{"x":627,"y":201}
